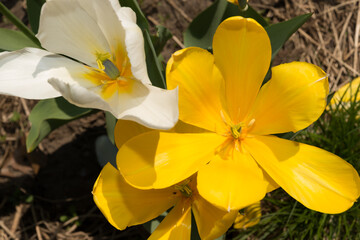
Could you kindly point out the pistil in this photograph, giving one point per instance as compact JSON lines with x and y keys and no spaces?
{"x":110,"y":69}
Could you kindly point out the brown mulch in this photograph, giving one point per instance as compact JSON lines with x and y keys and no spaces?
{"x":47,"y":194}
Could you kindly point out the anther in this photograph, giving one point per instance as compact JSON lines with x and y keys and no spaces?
{"x":252,"y":121}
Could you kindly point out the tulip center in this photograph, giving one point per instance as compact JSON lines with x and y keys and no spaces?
{"x":117,"y":68}
{"x":239,"y":131}
{"x":235,"y":135}
{"x":236,"y":130}
{"x":185,"y":189}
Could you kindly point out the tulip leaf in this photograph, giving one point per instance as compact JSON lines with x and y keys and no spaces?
{"x":110,"y":126}
{"x":140,"y":17}
{"x":279,"y":33}
{"x":105,"y":151}
{"x":12,"y":40}
{"x":202,"y":29}
{"x":48,"y":115}
{"x":154,"y":67}
{"x":19,"y":24}
{"x":33,"y":11}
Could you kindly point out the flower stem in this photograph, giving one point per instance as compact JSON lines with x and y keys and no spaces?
{"x":21,"y":26}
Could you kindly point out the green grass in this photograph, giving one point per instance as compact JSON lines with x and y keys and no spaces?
{"x":337,"y":131}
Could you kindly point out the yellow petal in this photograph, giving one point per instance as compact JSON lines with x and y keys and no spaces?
{"x":232,"y":183}
{"x":347,"y":93}
{"x":200,"y":84}
{"x":272,"y":184}
{"x":318,"y":179}
{"x":210,"y":220}
{"x":124,"y":205}
{"x":242,"y":53}
{"x":182,"y":127}
{"x":250,"y":217}
{"x":294,"y":98}
{"x":125,"y":130}
{"x":176,"y":225}
{"x":160,"y":159}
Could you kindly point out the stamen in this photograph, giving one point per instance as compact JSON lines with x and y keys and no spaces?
{"x":251,"y":123}
{"x":318,"y":80}
{"x":225,"y":118}
{"x":184,"y":189}
{"x":100,"y":58}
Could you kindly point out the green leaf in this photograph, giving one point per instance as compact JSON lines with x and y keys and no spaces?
{"x":160,"y":39}
{"x":279,"y":33}
{"x":105,"y":151}
{"x":154,"y":67}
{"x":11,"y":40}
{"x":110,"y":126}
{"x":19,"y":24}
{"x":202,"y":29}
{"x":48,"y":115}
{"x":33,"y":11}
{"x":140,"y":17}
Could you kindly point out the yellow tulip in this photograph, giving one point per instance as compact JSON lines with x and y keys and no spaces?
{"x":229,"y":121}
{"x":249,"y":218}
{"x":347,"y":93}
{"x":124,"y":205}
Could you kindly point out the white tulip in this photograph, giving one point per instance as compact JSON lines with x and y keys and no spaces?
{"x":105,"y":66}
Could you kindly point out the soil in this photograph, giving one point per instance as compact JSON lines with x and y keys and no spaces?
{"x":47,"y":194}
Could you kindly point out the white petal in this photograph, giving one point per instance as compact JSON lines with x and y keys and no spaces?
{"x":79,"y":95}
{"x":145,"y":104}
{"x":119,"y":27}
{"x":134,"y":42}
{"x":158,"y":109}
{"x":24,"y":73}
{"x":67,"y":28}
{"x":82,"y":28}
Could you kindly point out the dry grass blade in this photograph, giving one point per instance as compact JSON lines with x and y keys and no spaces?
{"x":7,"y":230}
{"x":356,"y":38}
{"x":177,"y":8}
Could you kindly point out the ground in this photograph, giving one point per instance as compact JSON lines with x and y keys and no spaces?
{"x":47,"y":194}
